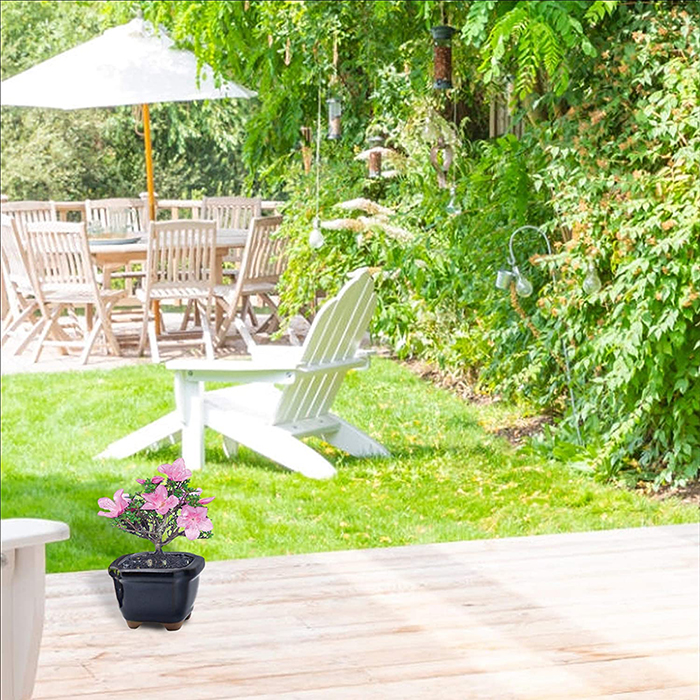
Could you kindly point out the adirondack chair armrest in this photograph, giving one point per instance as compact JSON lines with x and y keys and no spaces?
{"x":366,"y":355}
{"x":236,"y":371}
{"x":356,"y":362}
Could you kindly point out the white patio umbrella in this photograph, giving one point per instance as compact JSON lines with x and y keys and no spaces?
{"x":126,"y":65}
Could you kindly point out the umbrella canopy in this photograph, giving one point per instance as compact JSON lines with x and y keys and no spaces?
{"x":127,"y":65}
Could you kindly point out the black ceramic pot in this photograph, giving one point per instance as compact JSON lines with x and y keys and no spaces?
{"x":156,"y":595}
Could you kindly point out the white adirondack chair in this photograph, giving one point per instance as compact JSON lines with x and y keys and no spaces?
{"x":23,"y":578}
{"x":266,"y":419}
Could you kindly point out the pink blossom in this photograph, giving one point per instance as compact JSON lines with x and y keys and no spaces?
{"x":193,"y":520}
{"x":204,"y":501}
{"x":157,"y":479}
{"x":115,"y":507}
{"x":159,"y":501}
{"x":141,"y":481}
{"x":175,"y":471}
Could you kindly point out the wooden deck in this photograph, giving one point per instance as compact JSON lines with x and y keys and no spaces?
{"x":610,"y":614}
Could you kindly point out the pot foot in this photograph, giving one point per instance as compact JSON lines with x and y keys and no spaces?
{"x":172,"y":626}
{"x":133,"y":625}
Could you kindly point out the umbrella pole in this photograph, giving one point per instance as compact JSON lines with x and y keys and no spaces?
{"x":149,"y":162}
{"x":151,"y":192}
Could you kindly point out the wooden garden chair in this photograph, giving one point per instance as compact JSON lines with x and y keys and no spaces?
{"x":179,"y":266}
{"x":118,"y":215}
{"x":267,"y":419}
{"x":65,"y":278}
{"x":231,"y":213}
{"x":23,"y":300}
{"x":261,"y":267}
{"x":25,"y":213}
{"x":125,"y":215}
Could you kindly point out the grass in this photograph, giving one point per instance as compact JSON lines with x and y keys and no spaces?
{"x":447,"y":478}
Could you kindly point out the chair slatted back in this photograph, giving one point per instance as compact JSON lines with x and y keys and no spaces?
{"x":25,"y":213}
{"x":15,"y":260}
{"x":118,"y":215}
{"x":70,"y":211}
{"x":182,"y":253}
{"x":231,"y":212}
{"x":263,"y":256}
{"x":60,"y":256}
{"x":174,"y":209}
{"x":335,"y":336}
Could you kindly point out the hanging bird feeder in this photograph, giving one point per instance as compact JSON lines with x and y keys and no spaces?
{"x":442,"y":54}
{"x":335,"y":110}
{"x":376,"y":144}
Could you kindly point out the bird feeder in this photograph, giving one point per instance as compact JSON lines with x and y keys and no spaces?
{"x":442,"y":54}
{"x":335,"y":110}
{"x":376,"y":144}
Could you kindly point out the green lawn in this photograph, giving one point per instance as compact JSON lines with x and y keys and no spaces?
{"x":447,"y":478}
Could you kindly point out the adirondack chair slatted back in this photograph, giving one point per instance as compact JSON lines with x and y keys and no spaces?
{"x":335,"y":335}
{"x":14,"y":257}
{"x":118,"y":215}
{"x":181,"y":253}
{"x":263,"y":256}
{"x":231,"y":212}
{"x":60,"y":256}
{"x":25,"y":213}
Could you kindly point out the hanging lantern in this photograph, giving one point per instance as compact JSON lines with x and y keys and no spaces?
{"x":316,"y":239}
{"x":453,"y":208}
{"x":592,"y":283}
{"x":335,"y":110}
{"x":375,"y":156}
{"x":442,"y":54}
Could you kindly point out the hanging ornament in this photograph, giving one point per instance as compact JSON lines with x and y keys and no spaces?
{"x":376,"y":144}
{"x":441,"y":165}
{"x":442,"y":55}
{"x":452,"y":207}
{"x":335,"y":110}
{"x":316,"y":239}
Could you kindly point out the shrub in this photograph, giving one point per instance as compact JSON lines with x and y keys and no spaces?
{"x":614,"y":184}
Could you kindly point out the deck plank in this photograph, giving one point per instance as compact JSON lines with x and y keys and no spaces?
{"x":605,"y":614}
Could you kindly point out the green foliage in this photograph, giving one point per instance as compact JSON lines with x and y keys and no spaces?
{"x":534,"y":41}
{"x":623,"y":172}
{"x":285,"y":51}
{"x":614,"y":183}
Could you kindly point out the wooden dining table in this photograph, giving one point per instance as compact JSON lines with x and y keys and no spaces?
{"x":109,"y":256}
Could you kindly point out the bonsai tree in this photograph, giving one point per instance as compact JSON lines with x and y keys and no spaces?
{"x":165,"y":509}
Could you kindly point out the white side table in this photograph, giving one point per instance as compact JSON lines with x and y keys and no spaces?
{"x":23,"y":573}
